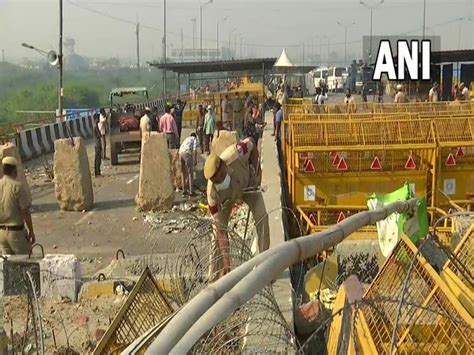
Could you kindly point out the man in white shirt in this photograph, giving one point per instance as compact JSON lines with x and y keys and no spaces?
{"x":400,"y":96}
{"x":145,"y":123}
{"x":188,"y":155}
{"x":350,"y":102}
{"x":103,"y":130}
{"x":465,"y":91}
{"x":320,"y":97}
{"x":433,"y":95}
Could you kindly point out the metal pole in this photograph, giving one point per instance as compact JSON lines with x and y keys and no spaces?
{"x":217,"y":37}
{"x":60,"y":62}
{"x":229,"y":45}
{"x":345,"y":46}
{"x":138,"y":48}
{"x":303,"y":52}
{"x":329,"y":51}
{"x":194,"y":38}
{"x":424,"y":18}
{"x":241,"y":48}
{"x":200,"y":32}
{"x":370,"y":46}
{"x":164,"y":47}
{"x":320,"y":51}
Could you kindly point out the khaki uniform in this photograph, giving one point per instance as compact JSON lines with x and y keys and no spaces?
{"x":238,"y":109}
{"x":400,"y":98}
{"x":242,"y":176}
{"x":14,"y":200}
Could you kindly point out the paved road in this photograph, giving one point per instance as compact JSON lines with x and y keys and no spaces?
{"x":113,"y":223}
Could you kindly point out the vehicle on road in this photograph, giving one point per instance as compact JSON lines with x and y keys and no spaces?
{"x":335,"y":78}
{"x":364,"y":75}
{"x":124,"y":127}
{"x":320,"y":76}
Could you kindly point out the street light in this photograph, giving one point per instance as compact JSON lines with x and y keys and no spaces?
{"x":230,"y":33}
{"x":424,"y":18}
{"x":217,"y":34}
{"x":345,"y":39}
{"x":200,"y":22}
{"x":164,"y":47}
{"x":193,"y":20}
{"x":371,"y":7}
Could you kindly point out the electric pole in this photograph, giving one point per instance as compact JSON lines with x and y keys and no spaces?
{"x":182,"y":44}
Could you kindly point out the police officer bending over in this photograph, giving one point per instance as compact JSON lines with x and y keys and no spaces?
{"x":14,"y":212}
{"x":234,"y":176}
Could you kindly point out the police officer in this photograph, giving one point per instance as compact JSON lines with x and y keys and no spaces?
{"x":234,"y":176}
{"x":14,"y":212}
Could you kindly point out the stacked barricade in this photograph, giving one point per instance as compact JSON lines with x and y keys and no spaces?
{"x":333,"y":166}
{"x":407,"y":309}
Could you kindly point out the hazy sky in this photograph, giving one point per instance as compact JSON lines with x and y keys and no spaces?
{"x":105,"y":28}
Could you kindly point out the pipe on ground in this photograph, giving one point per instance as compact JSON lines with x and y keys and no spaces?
{"x":218,"y":301}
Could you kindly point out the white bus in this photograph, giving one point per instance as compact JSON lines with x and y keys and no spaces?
{"x":335,"y":78}
{"x":320,"y":76}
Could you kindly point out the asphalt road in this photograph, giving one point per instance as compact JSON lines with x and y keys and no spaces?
{"x":112,"y":224}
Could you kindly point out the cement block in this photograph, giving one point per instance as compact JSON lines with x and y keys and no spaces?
{"x":94,"y":289}
{"x":176,"y":169}
{"x":60,"y":276}
{"x":11,"y":150}
{"x":224,"y":140}
{"x":72,"y":177}
{"x":155,"y":189}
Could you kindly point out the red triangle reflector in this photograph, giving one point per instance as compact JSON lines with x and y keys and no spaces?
{"x":336,"y":160}
{"x":376,"y":164}
{"x":309,"y":167}
{"x":460,"y":152}
{"x":450,"y":161}
{"x":303,"y":155}
{"x":410,"y":164}
{"x":342,"y":165}
{"x":312,"y":218}
{"x":341,"y":217}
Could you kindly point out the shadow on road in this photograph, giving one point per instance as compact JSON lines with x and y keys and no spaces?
{"x":113,"y":204}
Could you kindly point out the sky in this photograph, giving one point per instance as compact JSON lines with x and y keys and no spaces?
{"x":106,"y":28}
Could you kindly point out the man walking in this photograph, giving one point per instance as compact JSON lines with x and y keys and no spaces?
{"x":209,"y":128}
{"x":14,"y":212}
{"x":225,"y":106}
{"x":103,"y":130}
{"x":238,"y":107}
{"x":433,"y":95}
{"x":188,"y":155}
{"x":98,"y":146}
{"x":179,"y":109}
{"x":169,"y":128}
{"x":145,"y":123}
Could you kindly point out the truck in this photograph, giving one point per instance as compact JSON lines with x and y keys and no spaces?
{"x":123,"y":136}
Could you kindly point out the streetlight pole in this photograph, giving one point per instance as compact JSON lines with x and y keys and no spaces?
{"x":345,"y":39}
{"x":217,"y":34}
{"x":193,"y":20}
{"x":200,"y":28}
{"x":164,"y":47}
{"x":230,"y":33}
{"x":60,"y":62}
{"x":371,"y":7}
{"x":424,"y":18}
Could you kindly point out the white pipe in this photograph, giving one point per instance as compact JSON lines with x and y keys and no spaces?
{"x":218,"y":301}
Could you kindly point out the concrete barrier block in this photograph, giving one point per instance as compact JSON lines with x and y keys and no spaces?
{"x":60,"y":276}
{"x":94,"y":289}
{"x":155,"y":190}
{"x":224,"y":140}
{"x":176,"y":169}
{"x":72,"y":177}
{"x":11,"y":150}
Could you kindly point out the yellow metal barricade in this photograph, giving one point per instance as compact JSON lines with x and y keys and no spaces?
{"x":458,"y":272}
{"x":432,"y":320}
{"x":145,"y":307}
{"x":342,"y":161}
{"x":455,"y":137}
